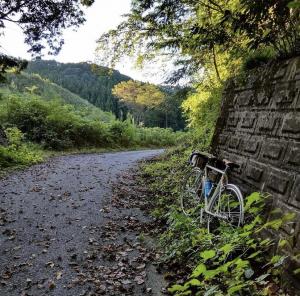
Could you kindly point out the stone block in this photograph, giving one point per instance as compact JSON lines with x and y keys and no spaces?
{"x":255,"y":174}
{"x":285,"y":96}
{"x":295,"y":194}
{"x":223,"y":140}
{"x":233,"y":121}
{"x":279,"y":183}
{"x":268,"y":124}
{"x":245,"y":99}
{"x":272,"y":152}
{"x":251,"y":145}
{"x":281,"y":71}
{"x":297,"y":107}
{"x":231,"y":99}
{"x":234,"y":143}
{"x":292,"y":156}
{"x":293,"y":72}
{"x":248,"y":121}
{"x":291,"y":125}
{"x":263,"y":99}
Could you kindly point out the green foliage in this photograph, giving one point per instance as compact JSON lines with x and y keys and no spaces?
{"x":202,"y":109}
{"x":294,"y":4}
{"x":41,"y":22}
{"x":58,"y":126}
{"x":138,"y":93}
{"x":258,"y":58}
{"x":8,"y":63}
{"x":18,"y":152}
{"x":199,"y":31}
{"x":236,"y":261}
{"x":91,"y":82}
{"x":138,"y":97}
{"x":229,"y":261}
{"x":95,"y":84}
{"x":29,"y":85}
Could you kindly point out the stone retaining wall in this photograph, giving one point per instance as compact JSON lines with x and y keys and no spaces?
{"x":259,"y":128}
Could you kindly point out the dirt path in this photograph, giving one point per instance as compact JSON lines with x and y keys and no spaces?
{"x":60,"y":233}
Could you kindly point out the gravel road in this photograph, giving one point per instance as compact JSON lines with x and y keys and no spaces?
{"x":61,"y":235}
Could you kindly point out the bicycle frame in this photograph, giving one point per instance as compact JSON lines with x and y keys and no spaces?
{"x":216,"y":191}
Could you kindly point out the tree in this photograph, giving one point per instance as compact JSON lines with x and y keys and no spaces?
{"x":138,"y":96}
{"x":42,"y":22}
{"x":198,"y":32}
{"x":7,"y":62}
{"x":91,"y":82}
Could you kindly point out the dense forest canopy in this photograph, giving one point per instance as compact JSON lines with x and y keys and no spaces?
{"x":197,"y":33}
{"x":89,"y":81}
{"x":25,"y":85}
{"x":95,"y":84}
{"x":139,"y":97}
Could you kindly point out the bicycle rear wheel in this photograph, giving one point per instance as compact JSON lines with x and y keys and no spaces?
{"x":228,"y":206}
{"x":191,"y":191}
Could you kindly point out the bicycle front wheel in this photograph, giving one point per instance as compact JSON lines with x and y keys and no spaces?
{"x":228,"y":206}
{"x":191,"y":191}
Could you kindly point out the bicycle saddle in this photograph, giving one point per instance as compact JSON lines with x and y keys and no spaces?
{"x":204,"y":154}
{"x":231,"y":164}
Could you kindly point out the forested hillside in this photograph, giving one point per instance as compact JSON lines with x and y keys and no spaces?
{"x":96,"y":84}
{"x":28,"y":85}
{"x":90,"y":82}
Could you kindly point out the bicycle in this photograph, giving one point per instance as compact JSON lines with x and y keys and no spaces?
{"x":206,"y":187}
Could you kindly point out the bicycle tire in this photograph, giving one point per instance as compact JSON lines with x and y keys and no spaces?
{"x":232,"y":201}
{"x":191,"y":191}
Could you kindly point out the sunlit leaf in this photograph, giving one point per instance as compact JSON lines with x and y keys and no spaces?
{"x":208,"y":254}
{"x":200,"y":269}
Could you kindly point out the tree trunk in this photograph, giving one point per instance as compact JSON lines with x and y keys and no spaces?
{"x":3,"y":138}
{"x":166,"y":120}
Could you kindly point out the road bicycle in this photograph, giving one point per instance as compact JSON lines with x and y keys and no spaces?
{"x":206,"y":193}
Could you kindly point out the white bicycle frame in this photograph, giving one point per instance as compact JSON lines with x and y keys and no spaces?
{"x":216,"y":191}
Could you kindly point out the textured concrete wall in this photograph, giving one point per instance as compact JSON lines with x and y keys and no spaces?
{"x":259,"y":128}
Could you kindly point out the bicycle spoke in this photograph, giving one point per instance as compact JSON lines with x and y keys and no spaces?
{"x":190,"y":197}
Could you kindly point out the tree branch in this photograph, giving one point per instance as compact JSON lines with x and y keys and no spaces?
{"x":215,"y":64}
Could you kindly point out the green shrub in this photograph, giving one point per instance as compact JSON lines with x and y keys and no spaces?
{"x":18,"y":152}
{"x":258,"y":58}
{"x":229,"y":261}
{"x":122,"y":134}
{"x":58,"y":126}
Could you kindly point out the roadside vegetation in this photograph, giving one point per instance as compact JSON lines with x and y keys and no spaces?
{"x":228,"y":261}
{"x":45,"y":118}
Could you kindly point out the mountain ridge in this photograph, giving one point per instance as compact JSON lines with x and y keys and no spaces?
{"x":91,"y":82}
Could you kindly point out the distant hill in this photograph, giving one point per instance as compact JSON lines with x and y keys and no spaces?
{"x":26,"y":84}
{"x":91,"y":82}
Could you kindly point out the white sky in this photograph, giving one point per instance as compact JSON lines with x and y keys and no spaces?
{"x":80,"y":45}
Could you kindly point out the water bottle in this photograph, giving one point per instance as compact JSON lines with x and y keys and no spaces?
{"x":207,"y":187}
